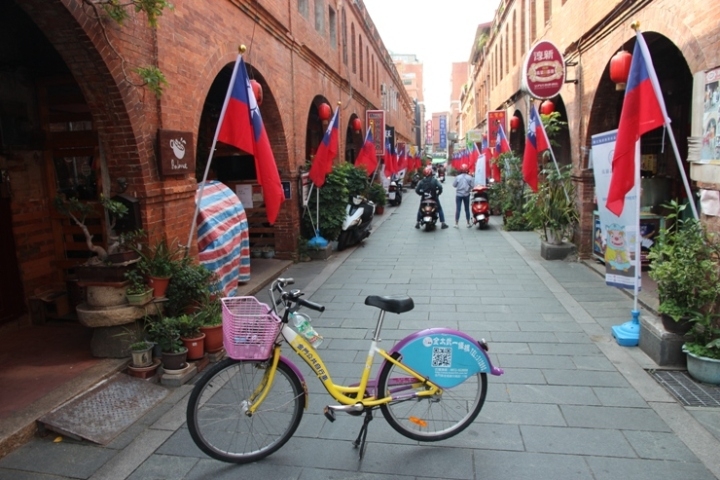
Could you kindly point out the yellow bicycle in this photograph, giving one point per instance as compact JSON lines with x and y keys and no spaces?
{"x":431,"y":385}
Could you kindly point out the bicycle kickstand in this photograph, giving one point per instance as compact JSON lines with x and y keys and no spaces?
{"x":360,"y":440}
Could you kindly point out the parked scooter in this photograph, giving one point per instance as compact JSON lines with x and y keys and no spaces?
{"x":415,"y":180}
{"x":441,"y":174}
{"x":429,"y":212}
{"x":356,"y":227}
{"x":480,"y":206}
{"x":395,"y":191}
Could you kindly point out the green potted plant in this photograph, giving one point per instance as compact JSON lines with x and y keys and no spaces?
{"x":552,"y":209}
{"x":191,"y":336}
{"x":683,"y":262}
{"x":137,"y":292}
{"x":188,"y":286}
{"x":210,"y":317}
{"x":376,"y":194}
{"x":165,"y":331}
{"x":141,"y":352}
{"x":507,"y":196}
{"x":158,"y":263}
{"x":702,"y":347}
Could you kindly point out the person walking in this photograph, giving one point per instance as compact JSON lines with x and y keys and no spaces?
{"x":463,"y":184}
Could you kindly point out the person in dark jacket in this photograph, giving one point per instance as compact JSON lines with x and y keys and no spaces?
{"x":431,"y":185}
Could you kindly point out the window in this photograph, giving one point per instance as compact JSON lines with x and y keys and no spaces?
{"x":533,"y":20}
{"x":333,"y":27}
{"x":360,"y":49}
{"x":343,"y":35}
{"x":372,"y":76}
{"x":514,"y":39}
{"x":303,"y":8}
{"x":548,"y":10}
{"x":367,"y":56}
{"x":352,"y":41}
{"x":522,"y":27}
{"x":320,"y":16}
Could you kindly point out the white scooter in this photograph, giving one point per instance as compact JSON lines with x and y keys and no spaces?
{"x":356,"y":227}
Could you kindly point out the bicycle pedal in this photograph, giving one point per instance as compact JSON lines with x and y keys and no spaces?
{"x":329,"y":413}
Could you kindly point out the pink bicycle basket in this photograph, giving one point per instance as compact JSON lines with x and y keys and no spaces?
{"x":249,"y":328}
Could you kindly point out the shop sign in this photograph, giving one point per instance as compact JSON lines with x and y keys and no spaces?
{"x":375,"y":120}
{"x":176,"y":152}
{"x":543,"y":71}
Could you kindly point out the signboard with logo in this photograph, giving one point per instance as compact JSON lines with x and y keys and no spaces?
{"x":543,"y":72}
{"x":375,"y":120}
{"x":428,"y":132}
{"x":176,"y":152}
{"x":495,"y":118}
{"x":442,"y":121}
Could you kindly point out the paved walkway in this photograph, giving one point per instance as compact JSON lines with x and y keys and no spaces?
{"x":572,"y":404}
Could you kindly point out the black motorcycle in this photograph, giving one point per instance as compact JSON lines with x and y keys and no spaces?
{"x":356,"y":227}
{"x":395,"y":190}
{"x":428,"y":212}
{"x":415,"y":180}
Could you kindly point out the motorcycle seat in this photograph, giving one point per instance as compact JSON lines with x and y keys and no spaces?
{"x":394,"y":304}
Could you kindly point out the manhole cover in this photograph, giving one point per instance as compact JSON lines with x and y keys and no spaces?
{"x":686,"y":390}
{"x":102,"y":413}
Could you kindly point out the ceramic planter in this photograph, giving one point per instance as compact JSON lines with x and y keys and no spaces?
{"x":174,"y":361}
{"x":213,"y":338}
{"x":703,"y":369}
{"x":679,"y":328}
{"x":142,"y":358}
{"x":144,"y":372}
{"x":195,"y":347}
{"x":140,"y":298}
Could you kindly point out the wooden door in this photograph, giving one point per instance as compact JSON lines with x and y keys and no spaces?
{"x":12,"y":303}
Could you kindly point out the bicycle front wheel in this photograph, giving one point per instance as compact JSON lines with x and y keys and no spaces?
{"x":429,"y":419}
{"x":216,"y":412}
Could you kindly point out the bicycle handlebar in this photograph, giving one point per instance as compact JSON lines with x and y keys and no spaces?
{"x":287,"y":298}
{"x":311,"y":305}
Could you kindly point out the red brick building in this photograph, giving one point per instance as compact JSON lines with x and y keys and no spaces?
{"x":75,"y":118}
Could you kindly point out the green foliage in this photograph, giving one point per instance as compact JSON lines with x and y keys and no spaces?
{"x":118,"y":10}
{"x":210,"y":312}
{"x":189,"y":283}
{"x":508,"y":194}
{"x":153,"y":78}
{"x":140,"y":345}
{"x":553,"y":126}
{"x":376,"y":194}
{"x":137,"y":282}
{"x":552,"y":209}
{"x":188,"y":326}
{"x":159,"y":260}
{"x":340,"y":185}
{"x":683,"y":262}
{"x":165,"y":332}
{"x":704,"y":337}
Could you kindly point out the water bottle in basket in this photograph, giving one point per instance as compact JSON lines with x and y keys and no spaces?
{"x":302,"y":324}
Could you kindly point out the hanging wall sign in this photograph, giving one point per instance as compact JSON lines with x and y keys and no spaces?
{"x":176,"y":152}
{"x":375,"y":120}
{"x":543,"y":72}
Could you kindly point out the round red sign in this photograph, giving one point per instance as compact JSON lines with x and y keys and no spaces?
{"x":543,"y":70}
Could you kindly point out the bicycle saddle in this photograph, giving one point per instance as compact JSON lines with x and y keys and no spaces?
{"x":394,"y":304}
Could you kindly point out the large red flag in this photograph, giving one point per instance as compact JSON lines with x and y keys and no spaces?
{"x":390,"y":159}
{"x":501,"y":144}
{"x":366,"y":156}
{"x":473,"y":157}
{"x":642,"y":111}
{"x":327,"y":150}
{"x":241,"y":125}
{"x":530,"y":161}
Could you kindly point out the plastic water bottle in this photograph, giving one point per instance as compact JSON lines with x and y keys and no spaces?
{"x":302,"y":324}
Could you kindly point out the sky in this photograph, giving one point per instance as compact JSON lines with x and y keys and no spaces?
{"x":438,"y":32}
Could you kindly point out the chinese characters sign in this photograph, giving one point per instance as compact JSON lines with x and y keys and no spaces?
{"x":375,"y":120}
{"x":495,"y":118}
{"x":442,"y":121}
{"x":544,"y":70}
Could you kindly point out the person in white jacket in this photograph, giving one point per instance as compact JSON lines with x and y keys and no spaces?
{"x":463,"y":185}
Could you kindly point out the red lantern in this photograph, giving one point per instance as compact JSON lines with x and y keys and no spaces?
{"x":620,"y":69}
{"x":514,"y":123}
{"x":257,"y":91}
{"x":547,"y":107}
{"x":324,"y":112}
{"x":356,"y":124}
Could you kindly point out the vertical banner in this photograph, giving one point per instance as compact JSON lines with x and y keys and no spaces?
{"x":617,"y":234}
{"x":375,"y":120}
{"x":710,"y":148}
{"x":495,"y":118}
{"x":443,"y":132}
{"x":428,"y":132}
{"x":480,"y":173}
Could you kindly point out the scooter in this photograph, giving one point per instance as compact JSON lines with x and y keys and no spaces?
{"x":480,"y":206}
{"x":395,"y":191}
{"x":429,"y":212}
{"x":441,"y":175}
{"x":415,"y":180}
{"x":356,"y":226}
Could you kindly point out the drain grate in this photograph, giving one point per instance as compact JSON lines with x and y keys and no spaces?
{"x":109,"y":408}
{"x":689,"y":392}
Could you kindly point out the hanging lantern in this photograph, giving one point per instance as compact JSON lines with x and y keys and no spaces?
{"x":356,"y":125}
{"x":620,"y":69}
{"x":257,"y":91}
{"x":324,"y":112}
{"x":514,"y":123}
{"x":547,"y":107}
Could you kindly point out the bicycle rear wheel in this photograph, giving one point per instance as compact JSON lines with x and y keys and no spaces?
{"x":216,"y":410}
{"x":434,"y":418}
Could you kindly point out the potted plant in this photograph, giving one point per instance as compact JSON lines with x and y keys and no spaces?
{"x":158,"y":262}
{"x":191,"y":336}
{"x":166,"y":333}
{"x":552,"y":209}
{"x":141,"y":352}
{"x":137,"y":292}
{"x":210,"y":318}
{"x":702,"y":348}
{"x":376,"y":194}
{"x":188,"y":286}
{"x":507,"y":196}
{"x":683,"y":262}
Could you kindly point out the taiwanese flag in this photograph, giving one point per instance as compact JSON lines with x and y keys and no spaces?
{"x":492,"y":170}
{"x":473,"y":157}
{"x":390,"y":159}
{"x":366,"y":156}
{"x":241,"y":125}
{"x":501,"y":143}
{"x":530,"y":160}
{"x":327,"y":150}
{"x":402,"y":160}
{"x":642,"y":111}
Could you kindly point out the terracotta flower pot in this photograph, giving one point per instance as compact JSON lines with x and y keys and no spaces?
{"x":160,"y":284}
{"x":213,"y":338}
{"x":195,"y":347}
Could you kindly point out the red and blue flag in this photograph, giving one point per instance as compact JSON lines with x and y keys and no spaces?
{"x":327,"y":151}
{"x":530,"y":160}
{"x":366,"y":157}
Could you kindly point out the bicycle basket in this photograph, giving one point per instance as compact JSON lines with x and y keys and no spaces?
{"x":249,"y":328}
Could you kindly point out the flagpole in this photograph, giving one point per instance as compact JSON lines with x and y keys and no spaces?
{"x":666,"y":120}
{"x":241,"y":50}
